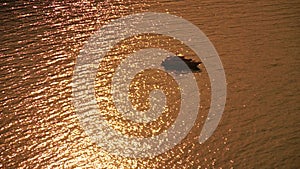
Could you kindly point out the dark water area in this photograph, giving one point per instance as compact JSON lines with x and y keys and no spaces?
{"x":257,"y":41}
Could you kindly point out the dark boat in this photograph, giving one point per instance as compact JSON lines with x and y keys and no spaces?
{"x":174,"y":63}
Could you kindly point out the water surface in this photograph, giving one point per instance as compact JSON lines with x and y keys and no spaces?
{"x":258,"y":43}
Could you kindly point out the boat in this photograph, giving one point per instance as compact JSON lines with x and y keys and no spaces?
{"x":174,"y":63}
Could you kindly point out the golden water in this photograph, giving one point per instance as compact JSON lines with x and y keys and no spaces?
{"x":258,"y":43}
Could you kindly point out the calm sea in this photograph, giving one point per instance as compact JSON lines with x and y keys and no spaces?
{"x":258,"y":43}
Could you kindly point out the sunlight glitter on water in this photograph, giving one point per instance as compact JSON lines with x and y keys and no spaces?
{"x":258,"y":44}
